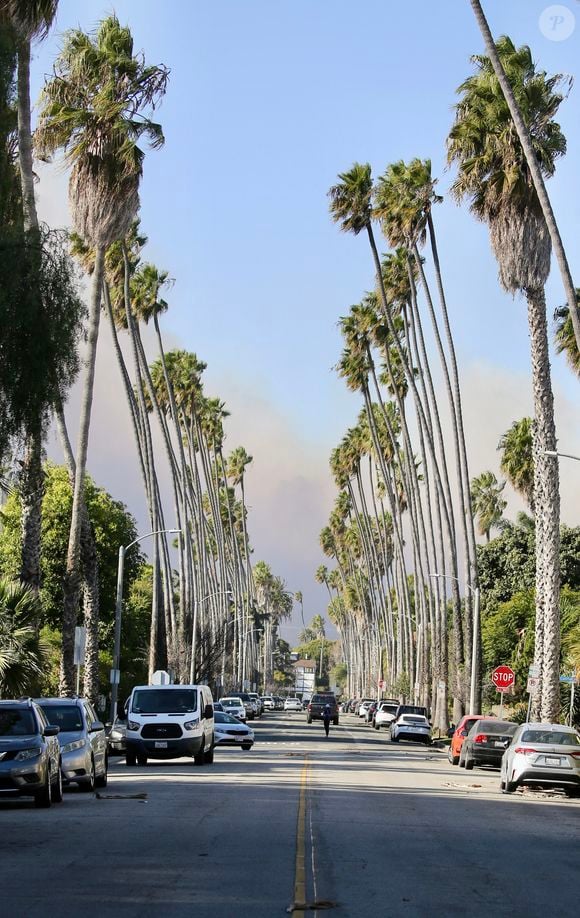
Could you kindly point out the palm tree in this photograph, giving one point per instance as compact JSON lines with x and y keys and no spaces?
{"x":22,"y":652}
{"x":565,"y":338}
{"x":30,"y":21}
{"x":92,"y":110}
{"x":517,"y":461}
{"x":525,"y":129}
{"x":494,"y":175}
{"x":488,"y":504}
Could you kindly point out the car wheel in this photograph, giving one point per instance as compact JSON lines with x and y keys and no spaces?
{"x":469,"y":763}
{"x":43,"y":799}
{"x":141,"y":760}
{"x":376,"y":726}
{"x":56,"y":792}
{"x":572,"y":792}
{"x":199,"y":757}
{"x":510,"y":787}
{"x":101,"y":780}
{"x":130,"y":757}
{"x":308,"y":720}
{"x":461,"y":762}
{"x":394,"y":739}
{"x":88,"y":786}
{"x":246,"y":746}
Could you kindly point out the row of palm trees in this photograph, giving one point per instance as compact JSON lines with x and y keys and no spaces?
{"x":208,"y":603}
{"x":402,"y":529}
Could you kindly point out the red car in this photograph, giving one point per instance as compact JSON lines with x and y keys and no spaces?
{"x":458,"y":738}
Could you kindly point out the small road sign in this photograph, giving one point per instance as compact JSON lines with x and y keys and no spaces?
{"x":569,"y":679}
{"x":503,"y":677}
{"x":532,"y":686}
{"x":534,"y":670}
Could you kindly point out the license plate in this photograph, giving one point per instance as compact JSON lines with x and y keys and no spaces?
{"x":553,"y":760}
{"x":161,"y":744}
{"x":499,"y":743}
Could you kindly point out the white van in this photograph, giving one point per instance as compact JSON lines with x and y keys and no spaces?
{"x":170,"y":721}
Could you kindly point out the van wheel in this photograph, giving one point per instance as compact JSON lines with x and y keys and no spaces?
{"x":208,"y":756}
{"x":130,"y":758}
{"x":141,"y":760}
{"x":57,"y":787}
{"x":199,"y":757}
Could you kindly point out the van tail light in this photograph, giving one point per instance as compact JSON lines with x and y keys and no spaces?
{"x":525,"y":750}
{"x":480,"y":738}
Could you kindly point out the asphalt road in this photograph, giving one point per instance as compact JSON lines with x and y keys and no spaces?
{"x":362,"y":827}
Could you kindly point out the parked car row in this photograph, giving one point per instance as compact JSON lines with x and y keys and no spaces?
{"x":48,"y":742}
{"x":272,"y":702}
{"x":403,"y":721}
{"x":527,"y":755}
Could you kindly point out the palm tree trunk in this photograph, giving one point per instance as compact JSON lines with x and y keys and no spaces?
{"x":547,"y":503}
{"x":534,"y":167}
{"x":30,"y":216}
{"x":31,"y":486}
{"x":72,"y":576}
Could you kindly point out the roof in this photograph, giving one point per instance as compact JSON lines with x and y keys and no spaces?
{"x":305,"y":664}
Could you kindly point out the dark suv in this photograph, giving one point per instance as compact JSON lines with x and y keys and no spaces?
{"x":29,"y":754}
{"x":317,"y":705}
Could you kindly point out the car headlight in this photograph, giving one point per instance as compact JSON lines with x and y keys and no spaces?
{"x":76,"y":744}
{"x":190,"y":724}
{"x":133,"y":725}
{"x":28,"y":754}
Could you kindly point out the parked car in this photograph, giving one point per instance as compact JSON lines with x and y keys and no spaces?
{"x":268,"y":702}
{"x":229,"y":731}
{"x":235,"y":707}
{"x":82,"y":738}
{"x":384,"y":714}
{"x":170,"y":721}
{"x":458,"y":736}
{"x":217,"y":706}
{"x":414,"y":727}
{"x":316,"y":707}
{"x":486,"y":743}
{"x":249,"y":703}
{"x":363,"y":707}
{"x":545,"y":755}
{"x":117,"y":736}
{"x":255,"y":697}
{"x":411,"y":709}
{"x":292,"y":704}
{"x":29,"y":754}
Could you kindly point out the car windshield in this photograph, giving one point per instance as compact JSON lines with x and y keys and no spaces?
{"x":389,"y":708}
{"x":66,"y":716}
{"x":500,"y":727}
{"x":164,"y":701}
{"x":15,"y":722}
{"x":231,"y":703}
{"x":225,"y":718}
{"x":551,"y":737}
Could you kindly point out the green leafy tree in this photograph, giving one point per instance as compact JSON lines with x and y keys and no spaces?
{"x":22,"y":651}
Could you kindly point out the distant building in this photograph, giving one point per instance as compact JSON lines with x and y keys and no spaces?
{"x":304,"y":677}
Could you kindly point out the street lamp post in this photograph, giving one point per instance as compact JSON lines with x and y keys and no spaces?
{"x":196,"y":606}
{"x":554,"y":454}
{"x":474,"y":638}
{"x":115,"y":672}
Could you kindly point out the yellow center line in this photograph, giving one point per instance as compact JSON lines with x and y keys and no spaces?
{"x":300,"y":870}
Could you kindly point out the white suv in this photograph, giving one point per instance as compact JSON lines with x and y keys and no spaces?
{"x":293,"y":704}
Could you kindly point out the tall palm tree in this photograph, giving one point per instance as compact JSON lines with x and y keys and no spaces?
{"x":92,"y":110}
{"x":494,"y":176}
{"x":526,"y":134}
{"x":517,"y":461}
{"x":31,"y":21}
{"x":488,"y":503}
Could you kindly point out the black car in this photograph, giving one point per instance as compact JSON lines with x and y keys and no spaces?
{"x":486,"y":743}
{"x":29,"y":754}
{"x":316,"y":707}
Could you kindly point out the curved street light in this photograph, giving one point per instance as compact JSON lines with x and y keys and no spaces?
{"x":116,"y":672}
{"x":554,"y":454}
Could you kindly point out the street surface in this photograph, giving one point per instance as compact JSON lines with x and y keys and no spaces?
{"x":354,"y":823}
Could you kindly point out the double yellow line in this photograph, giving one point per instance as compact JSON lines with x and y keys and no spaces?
{"x":300,"y":870}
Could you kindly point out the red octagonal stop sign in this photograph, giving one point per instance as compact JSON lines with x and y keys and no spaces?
{"x":503,"y":677}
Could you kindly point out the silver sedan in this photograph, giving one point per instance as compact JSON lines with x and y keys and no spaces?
{"x":542,"y":755}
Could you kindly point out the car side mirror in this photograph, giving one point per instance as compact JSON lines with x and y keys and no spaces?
{"x":208,"y":711}
{"x":463,"y":733}
{"x":96,"y":726}
{"x":51,"y":731}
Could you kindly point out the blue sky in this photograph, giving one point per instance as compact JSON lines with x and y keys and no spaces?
{"x":267,"y":101}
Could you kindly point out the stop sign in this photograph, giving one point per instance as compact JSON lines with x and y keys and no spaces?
{"x":503,"y":677}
